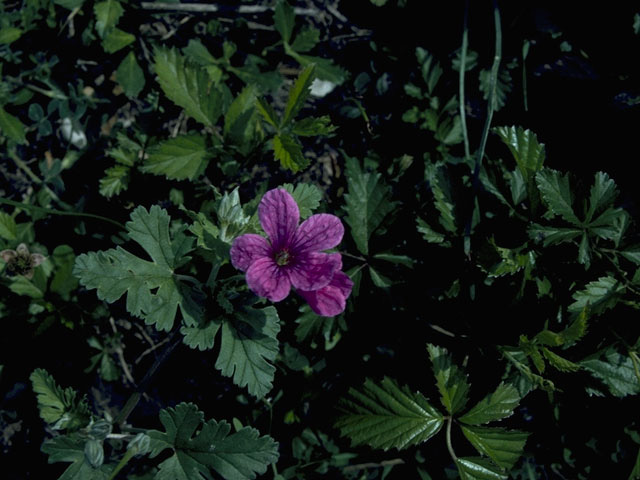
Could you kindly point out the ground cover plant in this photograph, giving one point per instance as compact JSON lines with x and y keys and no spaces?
{"x":282,"y":239}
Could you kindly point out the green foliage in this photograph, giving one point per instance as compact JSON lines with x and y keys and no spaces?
{"x":306,"y":195}
{"x":493,"y":407}
{"x":504,"y":447}
{"x":108,"y":14}
{"x":288,"y":151}
{"x":298,"y":94}
{"x":130,"y":76}
{"x":72,"y":449}
{"x":12,"y":127}
{"x":8,"y":227}
{"x":180,"y":158}
{"x":200,"y":448}
{"x":115,"y":272}
{"x":388,"y":416}
{"x":616,"y":371}
{"x":58,"y":407}
{"x":599,"y":295}
{"x":367,"y":203}
{"x":478,"y":468}
{"x":187,"y":86}
{"x":451,"y":381}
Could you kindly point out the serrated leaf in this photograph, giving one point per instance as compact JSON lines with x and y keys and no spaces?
{"x":116,"y":40}
{"x":478,"y":468}
{"x":187,"y":86}
{"x":504,"y":85}
{"x":71,"y":449}
{"x":429,"y":234}
{"x":59,"y":407}
{"x":180,"y":158}
{"x":313,"y":126}
{"x":298,"y":94}
{"x":108,"y":14}
{"x":201,"y":337}
{"x":525,"y":148}
{"x":8,"y":227}
{"x":558,"y":362}
{"x":388,"y":416}
{"x":248,"y":346}
{"x":547,"y":337}
{"x":598,"y":295}
{"x":306,"y":39}
{"x":267,"y":113}
{"x":615,"y":370}
{"x":306,"y":195}
{"x":12,"y":127}
{"x":378,"y":279}
{"x":288,"y":151}
{"x":115,"y":181}
{"x":115,"y":272}
{"x":239,"y":120}
{"x":392,"y":258}
{"x":495,"y":406}
{"x":555,"y":190}
{"x":603,"y":192}
{"x":284,"y":19}
{"x":577,"y":329}
{"x":367,"y":203}
{"x":504,"y":447}
{"x":450,"y":380}
{"x":200,"y":448}
{"x":325,"y":68}
{"x":130,"y":76}
{"x":443,"y":200}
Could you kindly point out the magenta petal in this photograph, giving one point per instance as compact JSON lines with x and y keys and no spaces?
{"x":312,"y":271}
{"x":246,"y":249}
{"x":268,"y":280}
{"x":318,"y":232}
{"x":331,"y":300}
{"x":279,"y":217}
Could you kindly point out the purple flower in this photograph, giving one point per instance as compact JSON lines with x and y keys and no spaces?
{"x":293,"y":256}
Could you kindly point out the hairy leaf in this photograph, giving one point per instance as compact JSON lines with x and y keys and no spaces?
{"x":598,"y":295}
{"x":478,"y":468}
{"x":450,"y":380}
{"x":504,"y":447}
{"x":248,"y":346}
{"x":59,"y":407}
{"x":313,"y":126}
{"x":615,"y":370}
{"x":367,"y":203}
{"x":556,"y":192}
{"x":288,"y":151}
{"x":130,"y":76}
{"x":306,"y":195}
{"x":187,"y":86}
{"x":200,"y":448}
{"x":180,"y":158}
{"x":495,"y":406}
{"x":387,"y":416}
{"x":115,"y":272}
{"x":298,"y":94}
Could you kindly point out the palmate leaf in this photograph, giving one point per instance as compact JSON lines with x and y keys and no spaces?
{"x":72,"y":449}
{"x":59,"y":407}
{"x":180,"y":158}
{"x":248,"y":346}
{"x":115,"y":272}
{"x":387,"y":416}
{"x":202,"y":447}
{"x":478,"y":468}
{"x":450,"y":380}
{"x":298,"y":94}
{"x":502,"y":446}
{"x":603,"y":192}
{"x":188,"y":86}
{"x":495,"y":406}
{"x":555,"y":190}
{"x":367,"y":203}
{"x":615,"y":370}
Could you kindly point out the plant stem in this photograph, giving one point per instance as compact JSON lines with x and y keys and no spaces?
{"x":123,"y":461}
{"x":174,"y":341}
{"x":463,"y":67}
{"x":449,"y":444}
{"x":51,"y":211}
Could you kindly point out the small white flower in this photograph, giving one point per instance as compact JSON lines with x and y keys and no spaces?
{"x":320,"y":88}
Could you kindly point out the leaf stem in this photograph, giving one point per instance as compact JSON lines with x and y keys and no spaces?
{"x":463,"y":67}
{"x":449,"y":444}
{"x":52,"y":211}
{"x":132,"y":402}
{"x":121,"y":464}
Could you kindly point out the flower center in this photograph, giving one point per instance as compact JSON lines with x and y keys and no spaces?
{"x":283,"y":258}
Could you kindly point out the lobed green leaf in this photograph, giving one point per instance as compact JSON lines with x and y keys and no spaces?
{"x":450,"y":380}
{"x":495,"y":406}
